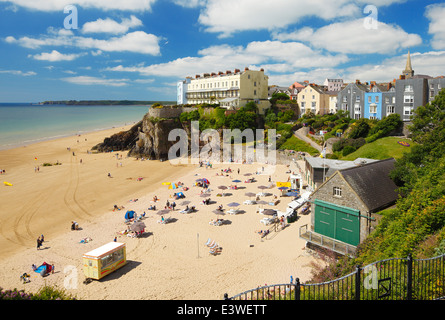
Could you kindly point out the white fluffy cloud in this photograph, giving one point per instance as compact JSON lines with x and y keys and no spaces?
{"x":55,"y":56}
{"x":59,"y":5}
{"x":111,"y":26}
{"x":137,"y":41}
{"x":271,"y":55}
{"x":230,"y":16}
{"x":436,"y":14}
{"x":355,"y":36}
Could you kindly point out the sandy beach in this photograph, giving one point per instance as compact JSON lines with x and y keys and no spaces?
{"x":170,"y":261}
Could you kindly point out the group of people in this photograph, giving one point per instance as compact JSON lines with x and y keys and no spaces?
{"x":40,"y":241}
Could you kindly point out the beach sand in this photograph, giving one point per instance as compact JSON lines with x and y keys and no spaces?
{"x":170,"y":261}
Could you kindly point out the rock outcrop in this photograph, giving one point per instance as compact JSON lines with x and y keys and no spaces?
{"x":152,"y":142}
{"x":124,"y":140}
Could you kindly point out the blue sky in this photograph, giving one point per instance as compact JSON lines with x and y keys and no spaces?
{"x":139,"y":49}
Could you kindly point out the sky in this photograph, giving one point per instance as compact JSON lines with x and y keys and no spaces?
{"x":140,"y":49}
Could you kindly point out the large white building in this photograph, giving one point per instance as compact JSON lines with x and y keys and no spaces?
{"x":230,"y":89}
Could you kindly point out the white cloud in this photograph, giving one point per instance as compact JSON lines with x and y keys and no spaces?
{"x":111,"y":26}
{"x":436,"y":14}
{"x":58,"y":5}
{"x":273,"y":54}
{"x":355,"y":37}
{"x":55,"y":56}
{"x":190,"y":3}
{"x":87,"y":80}
{"x":19,"y":72}
{"x":137,"y":41}
{"x":230,"y":16}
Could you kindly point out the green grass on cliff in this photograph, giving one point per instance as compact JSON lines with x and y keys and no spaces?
{"x":381,"y":149}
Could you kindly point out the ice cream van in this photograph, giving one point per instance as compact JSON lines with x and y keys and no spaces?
{"x":102,"y":261}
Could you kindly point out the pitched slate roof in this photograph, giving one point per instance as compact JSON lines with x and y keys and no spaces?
{"x":372,"y":183}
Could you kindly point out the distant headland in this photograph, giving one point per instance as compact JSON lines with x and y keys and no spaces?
{"x":104,"y":102}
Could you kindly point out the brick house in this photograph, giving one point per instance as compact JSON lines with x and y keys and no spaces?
{"x":344,"y":208}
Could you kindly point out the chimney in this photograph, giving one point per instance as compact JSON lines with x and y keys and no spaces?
{"x":197,"y":76}
{"x":237,"y":70}
{"x":357,"y":82}
{"x":228,"y":72}
{"x":220,"y":73}
{"x":213,"y":74}
{"x":262,"y":70}
{"x":246,"y":69}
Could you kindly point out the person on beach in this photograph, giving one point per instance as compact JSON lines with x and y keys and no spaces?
{"x":39,"y":243}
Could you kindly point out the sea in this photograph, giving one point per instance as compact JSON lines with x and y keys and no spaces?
{"x":27,"y":123}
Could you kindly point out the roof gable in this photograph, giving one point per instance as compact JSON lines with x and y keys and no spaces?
{"x":372,"y":183}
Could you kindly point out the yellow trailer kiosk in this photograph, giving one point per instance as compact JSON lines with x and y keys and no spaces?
{"x":104,"y":260}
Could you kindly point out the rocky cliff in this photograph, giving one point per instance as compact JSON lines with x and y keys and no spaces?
{"x":123,"y":140}
{"x":152,"y":141}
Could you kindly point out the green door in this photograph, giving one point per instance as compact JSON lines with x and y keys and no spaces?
{"x":337,"y":222}
{"x":325,"y":221}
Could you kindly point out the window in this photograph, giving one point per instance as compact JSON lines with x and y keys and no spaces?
{"x":313,"y":97}
{"x":408,"y":99}
{"x":373,"y":108}
{"x":337,"y":192}
{"x":377,"y":99}
{"x":390,"y":110}
{"x":407,"y":111}
{"x":254,"y":83}
{"x":357,"y":98}
{"x":345,"y":99}
{"x":409,"y":88}
{"x":369,"y":99}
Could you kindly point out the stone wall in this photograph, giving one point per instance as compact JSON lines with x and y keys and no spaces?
{"x":348,"y":199}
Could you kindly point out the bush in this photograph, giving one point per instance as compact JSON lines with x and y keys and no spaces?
{"x":347,"y":150}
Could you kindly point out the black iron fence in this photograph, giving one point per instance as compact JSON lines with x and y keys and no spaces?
{"x":390,"y":279}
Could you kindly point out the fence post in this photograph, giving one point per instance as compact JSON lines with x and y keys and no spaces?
{"x":297,"y":289}
{"x":409,"y":285}
{"x":357,"y":282}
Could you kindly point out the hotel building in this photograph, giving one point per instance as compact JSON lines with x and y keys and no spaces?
{"x":231,"y":90}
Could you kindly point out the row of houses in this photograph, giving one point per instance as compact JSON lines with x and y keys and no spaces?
{"x":231,"y":90}
{"x":369,"y":100}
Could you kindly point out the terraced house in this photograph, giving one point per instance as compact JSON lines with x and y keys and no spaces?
{"x":231,"y":90}
{"x":313,"y":98}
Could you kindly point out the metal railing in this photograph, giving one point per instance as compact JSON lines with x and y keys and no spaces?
{"x":326,"y":242}
{"x":390,"y":279}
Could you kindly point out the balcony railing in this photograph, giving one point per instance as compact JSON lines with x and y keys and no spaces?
{"x":326,"y":242}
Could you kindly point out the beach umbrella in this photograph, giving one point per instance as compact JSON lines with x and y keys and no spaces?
{"x":218,"y":212}
{"x":137,"y":226}
{"x":247,"y":174}
{"x":233,"y":204}
{"x":283,"y":188}
{"x":269,"y":212}
{"x":205,"y":195}
{"x":163,"y":211}
{"x":222,"y":188}
{"x":262,"y":202}
{"x":236,"y":181}
{"x":262,"y":187}
{"x":250,"y":194}
{"x":292,"y":194}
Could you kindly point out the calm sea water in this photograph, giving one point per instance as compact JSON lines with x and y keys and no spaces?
{"x":22,"y":124}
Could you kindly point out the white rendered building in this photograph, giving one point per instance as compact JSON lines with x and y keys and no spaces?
{"x":230,"y":89}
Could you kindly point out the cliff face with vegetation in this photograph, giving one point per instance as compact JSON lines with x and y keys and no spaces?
{"x":152,"y":140}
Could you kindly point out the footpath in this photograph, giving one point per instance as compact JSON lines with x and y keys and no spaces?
{"x":300,"y":135}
